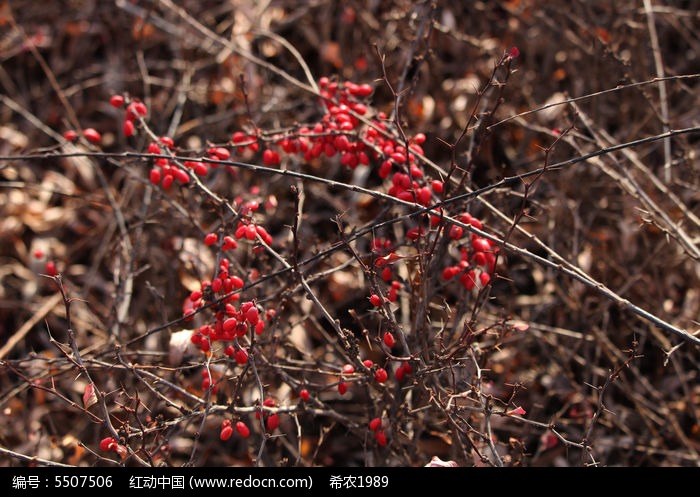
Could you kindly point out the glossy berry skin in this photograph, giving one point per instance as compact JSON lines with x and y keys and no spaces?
{"x":271,"y":158}
{"x":116,"y":101}
{"x":242,"y":429}
{"x":273,"y":421}
{"x":381,"y":375}
{"x":226,"y":431}
{"x":380,"y":436}
{"x":304,"y":394}
{"x":92,"y":135}
{"x":128,"y":128}
{"x":108,"y":443}
{"x":241,"y":356}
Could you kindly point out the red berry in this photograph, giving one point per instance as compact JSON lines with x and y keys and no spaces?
{"x":259,"y":327}
{"x":341,"y":143}
{"x":92,"y":135}
{"x":481,"y":245}
{"x":70,"y":135}
{"x":449,"y":272}
{"x":456,"y":232}
{"x":241,"y":356}
{"x":154,"y":176}
{"x":360,"y":109}
{"x":419,"y":138}
{"x":368,"y":363}
{"x":381,"y":375}
{"x":363,"y":90}
{"x":399,"y":158}
{"x":236,"y":282}
{"x":219,"y":153}
{"x":252,"y":315}
{"x":479,"y":258}
{"x":211,"y":239}
{"x":242,"y":429}
{"x":375,"y":300}
{"x":226,"y":432}
{"x":375,"y":424}
{"x":416,"y":172}
{"x":108,"y":443}
{"x":342,"y":388}
{"x":128,"y":128}
{"x":424,"y":196}
{"x":400,"y":372}
{"x":437,"y":186}
{"x":271,"y":158}
{"x":484,"y":278}
{"x":381,"y":437}
{"x":241,"y":329}
{"x":389,"y":339}
{"x":51,"y":268}
{"x":348,"y":369}
{"x":468,"y":279}
{"x":273,"y":421}
{"x":181,"y":175}
{"x":329,"y":150}
{"x":393,"y":295}
{"x":251,"y":232}
{"x":385,"y":169}
{"x":229,"y":243}
{"x":230,"y":324}
{"x":304,"y":394}
{"x":168,"y":181}
{"x":116,"y":101}
{"x":139,"y":108}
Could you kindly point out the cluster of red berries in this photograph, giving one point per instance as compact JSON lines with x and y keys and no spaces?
{"x":341,"y":131}
{"x":134,"y":111}
{"x":478,"y":257}
{"x":90,"y":134}
{"x":165,"y":171}
{"x":381,"y":375}
{"x":346,"y":130}
{"x":231,"y":322}
{"x":222,"y":294}
{"x":227,"y":429}
{"x":375,"y":425}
